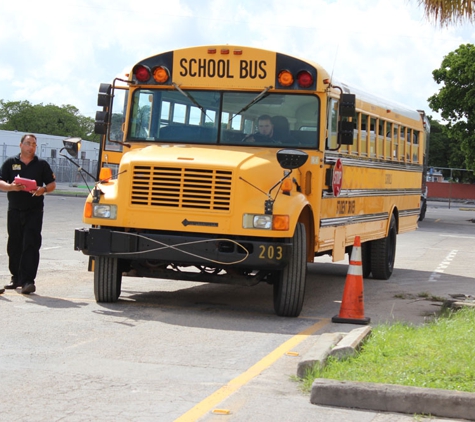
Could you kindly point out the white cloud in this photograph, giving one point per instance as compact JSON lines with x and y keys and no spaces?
{"x":59,"y":52}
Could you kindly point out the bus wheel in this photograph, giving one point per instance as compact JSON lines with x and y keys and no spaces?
{"x":366,"y":258}
{"x":107,"y":279}
{"x":422,"y":213}
{"x":383,"y":253}
{"x":289,"y":286}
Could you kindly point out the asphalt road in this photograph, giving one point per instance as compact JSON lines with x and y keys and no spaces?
{"x":173,"y":350}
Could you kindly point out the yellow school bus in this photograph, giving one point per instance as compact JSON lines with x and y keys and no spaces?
{"x":237,"y":165}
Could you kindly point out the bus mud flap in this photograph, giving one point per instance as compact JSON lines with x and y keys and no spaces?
{"x":338,"y":253}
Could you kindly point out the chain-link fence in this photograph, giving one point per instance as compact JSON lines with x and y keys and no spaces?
{"x":67,"y":172}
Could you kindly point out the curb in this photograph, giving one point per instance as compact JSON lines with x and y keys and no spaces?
{"x":69,"y":193}
{"x":318,"y":353}
{"x":375,"y":396}
{"x":350,"y":343}
{"x":340,"y":345}
{"x":393,"y":398}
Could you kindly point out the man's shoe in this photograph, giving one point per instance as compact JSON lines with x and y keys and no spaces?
{"x":12,"y":285}
{"x":28,"y":288}
{"x":1,"y":291}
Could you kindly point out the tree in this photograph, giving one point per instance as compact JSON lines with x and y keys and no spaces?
{"x":445,"y":152}
{"x":456,"y":100}
{"x":49,"y":119}
{"x":439,"y":145}
{"x":449,"y":11}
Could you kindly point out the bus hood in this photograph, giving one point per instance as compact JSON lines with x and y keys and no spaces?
{"x":212,"y":157}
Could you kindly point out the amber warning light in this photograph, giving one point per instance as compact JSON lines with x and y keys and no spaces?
{"x":161,"y":74}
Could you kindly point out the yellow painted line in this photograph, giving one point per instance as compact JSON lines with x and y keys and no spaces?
{"x":235,"y":384}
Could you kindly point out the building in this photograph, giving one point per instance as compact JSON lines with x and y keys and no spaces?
{"x":49,"y":148}
{"x":435,"y":176}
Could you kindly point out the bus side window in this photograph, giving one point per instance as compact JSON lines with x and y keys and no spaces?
{"x":365,"y":135}
{"x":358,"y":133}
{"x":389,"y":138}
{"x":356,"y":122}
{"x":380,"y":138}
{"x":140,"y":123}
{"x":117,"y":120}
{"x":384,"y":142}
{"x":395,"y":142}
{"x":415,"y":147}
{"x":402,"y":143}
{"x":373,"y":136}
{"x":332,"y":125}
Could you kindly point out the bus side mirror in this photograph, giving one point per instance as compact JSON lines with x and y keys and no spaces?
{"x":290,"y":159}
{"x":102,"y":117}
{"x":347,"y":107}
{"x":345,"y":132}
{"x":104,"y":96}
{"x":102,"y":120}
{"x":72,"y":146}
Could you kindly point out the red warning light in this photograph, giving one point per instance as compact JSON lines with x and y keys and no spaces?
{"x":304,"y":79}
{"x":142,"y":73}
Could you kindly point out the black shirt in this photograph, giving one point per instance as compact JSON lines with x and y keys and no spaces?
{"x":37,"y":169}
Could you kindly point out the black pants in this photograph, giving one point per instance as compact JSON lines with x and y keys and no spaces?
{"x":24,"y":242}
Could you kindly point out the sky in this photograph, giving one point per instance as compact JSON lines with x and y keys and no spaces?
{"x":58,"y":52}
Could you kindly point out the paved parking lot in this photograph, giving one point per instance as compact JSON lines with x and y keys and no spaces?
{"x":167,"y":348}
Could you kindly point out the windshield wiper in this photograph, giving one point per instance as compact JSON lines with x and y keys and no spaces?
{"x":255,"y":100}
{"x":196,"y":103}
{"x":119,"y":142}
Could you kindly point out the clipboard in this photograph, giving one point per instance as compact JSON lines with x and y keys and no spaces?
{"x":29,"y":183}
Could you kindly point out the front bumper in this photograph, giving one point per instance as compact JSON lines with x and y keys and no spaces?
{"x":215,"y":251}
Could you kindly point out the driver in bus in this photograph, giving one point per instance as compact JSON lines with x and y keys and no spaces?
{"x":265,"y":131}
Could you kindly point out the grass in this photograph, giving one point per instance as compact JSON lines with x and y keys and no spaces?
{"x":439,"y":354}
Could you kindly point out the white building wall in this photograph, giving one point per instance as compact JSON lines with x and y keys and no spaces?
{"x":49,"y":147}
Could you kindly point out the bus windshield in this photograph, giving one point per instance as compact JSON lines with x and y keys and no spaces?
{"x":219,"y":117}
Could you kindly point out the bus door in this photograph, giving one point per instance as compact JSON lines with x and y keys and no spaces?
{"x":113,"y":147}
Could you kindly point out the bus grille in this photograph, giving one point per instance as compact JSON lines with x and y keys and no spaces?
{"x":181,"y":188}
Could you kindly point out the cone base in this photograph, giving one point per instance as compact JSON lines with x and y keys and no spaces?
{"x":361,"y":321}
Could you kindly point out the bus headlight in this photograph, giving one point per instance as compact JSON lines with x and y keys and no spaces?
{"x":265,"y":222}
{"x":104,"y":211}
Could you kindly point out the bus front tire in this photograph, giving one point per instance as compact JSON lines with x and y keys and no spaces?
{"x":107,"y":279}
{"x":289,"y":287}
{"x":383,"y":253}
{"x":365,"y":258}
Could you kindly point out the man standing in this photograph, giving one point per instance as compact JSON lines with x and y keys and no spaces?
{"x":25,"y":211}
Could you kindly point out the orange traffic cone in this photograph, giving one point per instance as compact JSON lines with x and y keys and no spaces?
{"x":352,"y":304}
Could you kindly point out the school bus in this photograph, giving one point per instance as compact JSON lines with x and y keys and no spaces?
{"x":189,"y":190}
